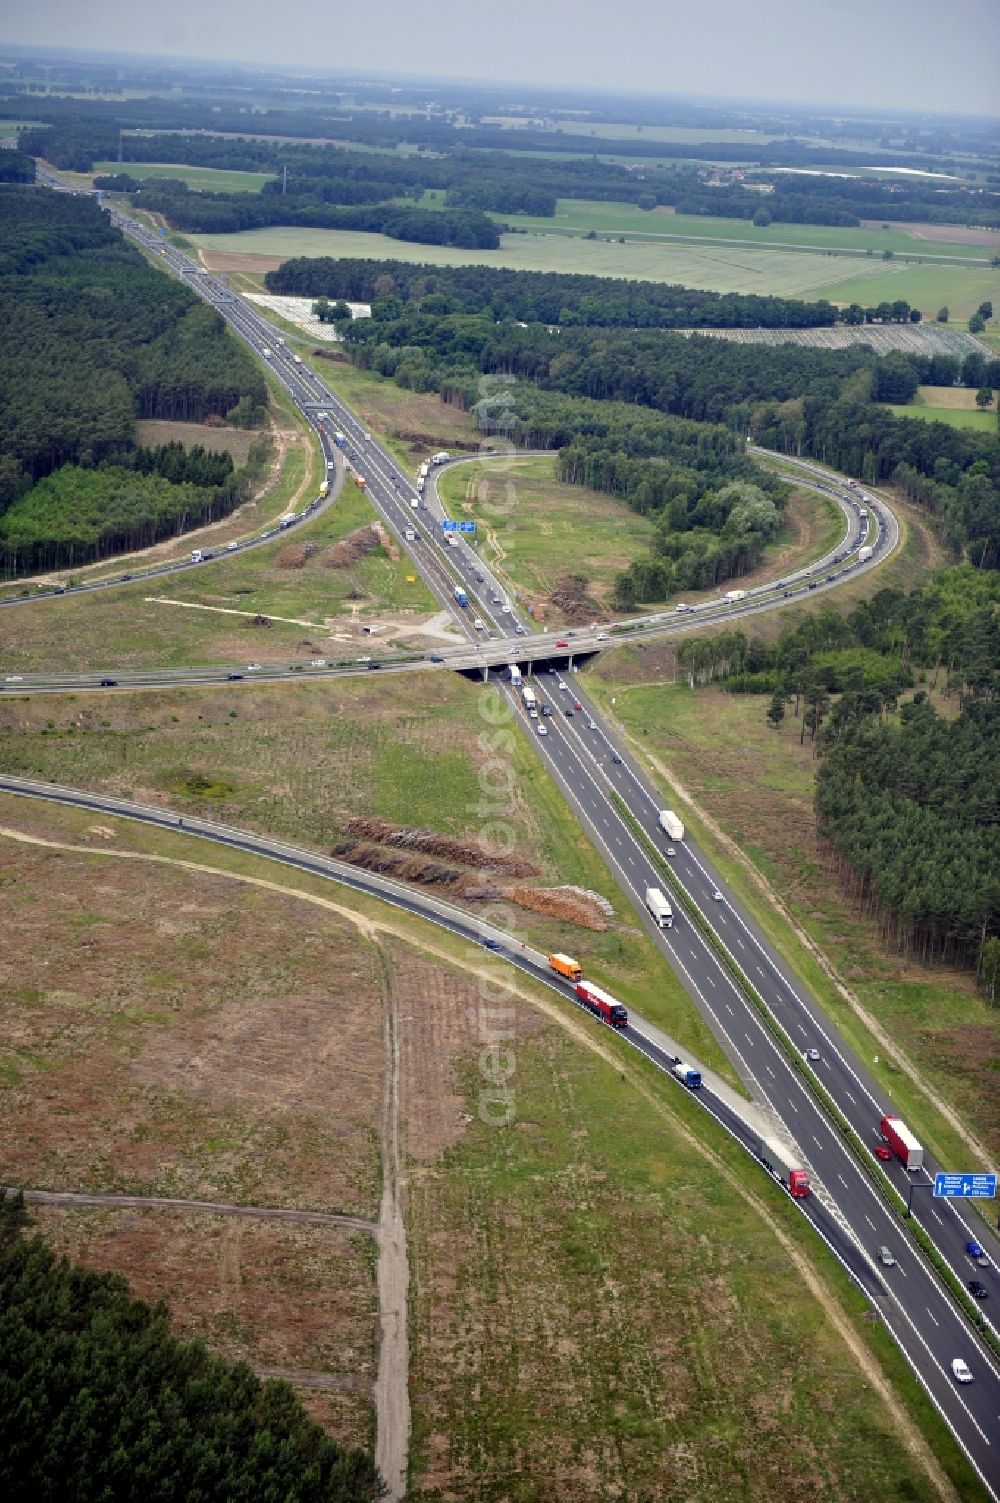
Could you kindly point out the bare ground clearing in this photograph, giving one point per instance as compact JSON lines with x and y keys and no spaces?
{"x":164,"y":1037}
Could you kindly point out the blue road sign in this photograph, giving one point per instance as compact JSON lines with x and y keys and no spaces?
{"x":965,"y":1186}
{"x":447,"y":526}
{"x":466,"y":526}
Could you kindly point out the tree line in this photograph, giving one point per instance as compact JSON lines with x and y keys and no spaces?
{"x":908,"y":801}
{"x":561,"y":298}
{"x":101,"y":1400}
{"x":225,"y":213}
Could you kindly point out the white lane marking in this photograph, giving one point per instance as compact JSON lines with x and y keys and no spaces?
{"x":936,"y":1322}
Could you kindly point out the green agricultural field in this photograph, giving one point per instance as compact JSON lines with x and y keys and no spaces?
{"x":925,"y":287}
{"x":733,"y":268}
{"x":533,"y":529}
{"x":612,"y":131}
{"x":209,"y":179}
{"x":580,"y":215}
{"x":955,"y":417}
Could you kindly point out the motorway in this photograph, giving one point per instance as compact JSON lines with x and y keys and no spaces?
{"x":594,"y":769}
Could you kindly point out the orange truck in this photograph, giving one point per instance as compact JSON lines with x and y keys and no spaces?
{"x":360,"y":482}
{"x":566,"y":966}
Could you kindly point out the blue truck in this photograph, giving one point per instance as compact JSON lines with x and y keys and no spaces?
{"x":461,"y":596}
{"x":687,"y":1075}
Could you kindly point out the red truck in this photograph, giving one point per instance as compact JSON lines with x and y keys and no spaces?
{"x":601,"y":1004}
{"x":902,"y":1142}
{"x":781,"y":1162}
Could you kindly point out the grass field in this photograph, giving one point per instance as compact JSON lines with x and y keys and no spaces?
{"x":949,"y":404}
{"x":719,"y":267}
{"x":236,"y":441}
{"x":581,"y":215}
{"x":534,"y":530}
{"x":599,"y":1313}
{"x":208,"y":179}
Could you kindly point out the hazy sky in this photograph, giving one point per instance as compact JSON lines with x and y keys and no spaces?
{"x":901,"y":54}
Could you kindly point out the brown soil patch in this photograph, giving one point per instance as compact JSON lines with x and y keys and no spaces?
{"x":236,"y":441}
{"x":430,"y":843}
{"x":356,"y":546}
{"x":217,"y":260}
{"x":296,"y":556}
{"x":567,"y":907}
{"x":956,"y":233}
{"x":569,"y":597}
{"x":957,"y":398}
{"x":443,"y":1020}
{"x":277,"y":1297}
{"x":165,"y":1036}
{"x":423,"y":871}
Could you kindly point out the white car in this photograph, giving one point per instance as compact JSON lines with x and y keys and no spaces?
{"x":542,"y":730}
{"x":671,"y":850}
{"x":253,"y":667}
{"x":532,"y":713}
{"x":592,"y":725}
{"x":717,"y":895}
{"x":564,"y":688}
{"x":329,"y":464}
{"x":15,"y":678}
{"x":604,"y":636}
{"x":317,"y":662}
{"x":812,"y":1054}
{"x":961,"y":1371}
{"x":231,"y":547}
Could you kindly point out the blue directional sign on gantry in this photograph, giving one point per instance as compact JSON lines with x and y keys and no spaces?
{"x":965,"y":1186}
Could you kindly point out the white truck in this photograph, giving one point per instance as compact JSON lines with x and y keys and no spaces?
{"x":410,"y":535}
{"x":731,"y":596}
{"x":529,"y":697}
{"x":324,"y":488}
{"x":865,"y":553}
{"x":424,"y":470}
{"x":440,"y":458}
{"x":659,"y":908}
{"x":515,"y":674}
{"x":670,"y":824}
{"x":196,"y":555}
{"x":421,"y":482}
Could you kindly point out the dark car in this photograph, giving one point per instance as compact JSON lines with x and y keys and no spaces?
{"x":373,"y":667}
{"x":109,"y":683}
{"x":569,"y":713}
{"x":546,"y":710}
{"x":492,"y":944}
{"x":234,"y":677}
{"x":436,"y":657}
{"x":616,"y":758}
{"x":126,"y":577}
{"x":978,"y":1289}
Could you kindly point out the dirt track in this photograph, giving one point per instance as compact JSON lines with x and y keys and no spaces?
{"x":392,"y":1397}
{"x":215,"y":1207}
